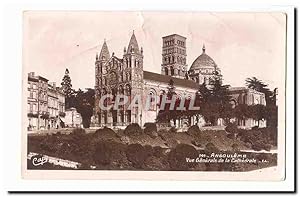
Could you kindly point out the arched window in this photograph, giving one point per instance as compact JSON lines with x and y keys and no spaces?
{"x":121,"y":79}
{"x":172,"y":71}
{"x":252,"y":98}
{"x":128,"y":90}
{"x":121,"y":90}
{"x":233,"y":103}
{"x":114,"y":92}
{"x":152,"y":100}
{"x":128,"y":77}
{"x":166,"y":71}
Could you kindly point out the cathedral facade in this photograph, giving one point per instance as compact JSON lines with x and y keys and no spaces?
{"x":126,"y":76}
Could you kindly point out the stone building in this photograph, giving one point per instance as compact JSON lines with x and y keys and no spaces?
{"x":56,"y":106}
{"x":45,"y":103}
{"x":72,"y":118}
{"x":174,"y":56}
{"x":126,"y":76}
{"x":242,"y":95}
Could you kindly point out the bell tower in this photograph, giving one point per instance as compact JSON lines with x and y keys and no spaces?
{"x":133,"y":61}
{"x":174,"y":56}
{"x":101,"y":60}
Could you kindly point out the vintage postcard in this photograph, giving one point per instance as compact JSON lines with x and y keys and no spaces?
{"x":154,"y":95}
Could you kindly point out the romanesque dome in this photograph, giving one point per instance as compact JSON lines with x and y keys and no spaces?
{"x":203,"y":61}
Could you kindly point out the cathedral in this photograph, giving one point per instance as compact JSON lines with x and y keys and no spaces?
{"x":126,"y":76}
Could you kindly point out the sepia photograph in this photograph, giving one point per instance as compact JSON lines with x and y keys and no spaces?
{"x":126,"y":91}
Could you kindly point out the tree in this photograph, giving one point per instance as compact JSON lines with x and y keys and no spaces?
{"x":258,"y":85}
{"x":257,"y":112}
{"x":67,"y":88}
{"x":255,"y":84}
{"x":84,"y":103}
{"x":272,"y":115}
{"x":271,"y":108}
{"x":241,"y":111}
{"x":221,"y":97}
{"x":165,"y":115}
{"x":215,"y":102}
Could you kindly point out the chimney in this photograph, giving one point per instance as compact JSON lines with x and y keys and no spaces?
{"x":31,"y":74}
{"x":54,"y":85}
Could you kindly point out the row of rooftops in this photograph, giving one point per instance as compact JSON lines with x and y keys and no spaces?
{"x":133,"y":47}
{"x":33,"y":77}
{"x":202,"y":61}
{"x":37,"y":78}
{"x":155,"y":77}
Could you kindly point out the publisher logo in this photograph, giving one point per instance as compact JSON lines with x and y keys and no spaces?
{"x":39,"y":160}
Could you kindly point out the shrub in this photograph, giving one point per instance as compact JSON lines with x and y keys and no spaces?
{"x":254,"y":128}
{"x":231,"y":128}
{"x":49,"y":143}
{"x":194,"y":131}
{"x":105,"y":133}
{"x":196,"y":142}
{"x":78,"y":131}
{"x":150,"y":127}
{"x":162,"y":131}
{"x":163,"y":134}
{"x":270,"y":133}
{"x":273,"y":133}
{"x":158,"y":151}
{"x":206,"y":138}
{"x":136,"y":154}
{"x":154,"y":163}
{"x":151,"y":130}
{"x":258,"y":146}
{"x":171,"y":142}
{"x":172,"y":130}
{"x":235,"y":147}
{"x":133,"y":129}
{"x":256,"y":133}
{"x":261,"y":145}
{"x":104,"y":151}
{"x":210,"y":147}
{"x":230,"y":136}
{"x":125,"y":140}
{"x":177,"y":157}
{"x":118,"y":157}
{"x":149,"y":150}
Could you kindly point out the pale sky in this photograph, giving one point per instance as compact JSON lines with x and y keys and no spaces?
{"x":242,"y":44}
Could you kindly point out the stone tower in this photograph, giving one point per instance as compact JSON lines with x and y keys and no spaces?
{"x":174,"y":56}
{"x":100,"y":62}
{"x":133,"y":59}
